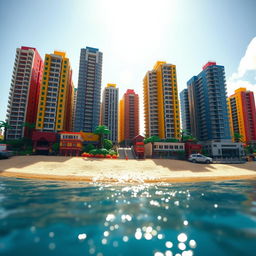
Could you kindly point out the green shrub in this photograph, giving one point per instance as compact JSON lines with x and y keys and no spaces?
{"x":112,"y":152}
{"x":101,"y":151}
{"x":88,"y":148}
{"x":107,"y":144}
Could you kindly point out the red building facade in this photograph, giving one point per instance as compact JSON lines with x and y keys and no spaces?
{"x":131,"y":115}
{"x":249,"y":114}
{"x":34,"y":91}
{"x":24,"y":92}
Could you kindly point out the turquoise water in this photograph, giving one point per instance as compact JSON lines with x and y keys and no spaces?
{"x":62,"y":218}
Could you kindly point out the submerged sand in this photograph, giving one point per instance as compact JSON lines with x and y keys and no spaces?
{"x":111,"y":170}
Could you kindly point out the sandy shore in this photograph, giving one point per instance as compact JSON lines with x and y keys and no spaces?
{"x":109,"y":170}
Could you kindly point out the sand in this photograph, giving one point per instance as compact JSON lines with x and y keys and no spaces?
{"x":117,"y":170}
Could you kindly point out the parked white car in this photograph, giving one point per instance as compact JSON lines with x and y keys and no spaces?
{"x":198,"y":158}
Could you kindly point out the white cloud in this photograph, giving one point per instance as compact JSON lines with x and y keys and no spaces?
{"x":247,"y":63}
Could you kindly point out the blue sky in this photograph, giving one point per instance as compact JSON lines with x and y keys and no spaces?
{"x":133,"y":35}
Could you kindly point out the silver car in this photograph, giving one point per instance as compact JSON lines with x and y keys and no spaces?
{"x":198,"y":158}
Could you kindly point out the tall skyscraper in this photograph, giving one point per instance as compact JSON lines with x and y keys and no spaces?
{"x":87,"y":115}
{"x":110,"y":111}
{"x":208,"y":104}
{"x":128,"y":116}
{"x":184,"y":105}
{"x":243,"y":115}
{"x":55,"y":102}
{"x":24,"y":92}
{"x":161,"y":104}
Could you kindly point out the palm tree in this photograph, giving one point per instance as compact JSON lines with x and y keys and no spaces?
{"x":29,"y":126}
{"x":186,"y":136}
{"x":101,"y":130}
{"x":238,"y":137}
{"x":6,"y":126}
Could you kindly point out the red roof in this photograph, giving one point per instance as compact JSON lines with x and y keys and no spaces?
{"x":210,"y":63}
{"x":49,"y":136}
{"x":70,"y":132}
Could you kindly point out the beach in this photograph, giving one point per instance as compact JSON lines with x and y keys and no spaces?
{"x":117,"y":170}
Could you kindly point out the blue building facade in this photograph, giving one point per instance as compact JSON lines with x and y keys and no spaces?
{"x":208,"y":110}
{"x":87,"y":114}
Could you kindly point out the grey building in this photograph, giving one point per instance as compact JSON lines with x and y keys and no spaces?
{"x":87,"y":114}
{"x":110,"y":111}
{"x":184,"y":106}
{"x":74,"y":108}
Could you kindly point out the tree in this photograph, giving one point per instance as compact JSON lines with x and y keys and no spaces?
{"x":55,"y":147}
{"x":238,"y":137}
{"x":170,"y":140}
{"x":101,"y":130}
{"x":107,"y":144}
{"x":152,"y":139}
{"x":186,"y":136}
{"x":88,"y":148}
{"x":29,"y":125}
{"x":6,"y":126}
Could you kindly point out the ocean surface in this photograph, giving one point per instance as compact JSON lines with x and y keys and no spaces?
{"x":77,"y":218}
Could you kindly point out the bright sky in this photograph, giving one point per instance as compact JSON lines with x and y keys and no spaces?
{"x":133,"y":35}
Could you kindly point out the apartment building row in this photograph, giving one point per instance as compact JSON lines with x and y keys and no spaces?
{"x":42,"y":97}
{"x":42,"y":93}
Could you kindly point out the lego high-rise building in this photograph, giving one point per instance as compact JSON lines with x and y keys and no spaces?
{"x":184,"y":106}
{"x":128,"y":116}
{"x":87,"y":116}
{"x":243,"y":115}
{"x":55,"y":102}
{"x":161,"y":104}
{"x":24,"y":92}
{"x":207,"y":95}
{"x":109,"y":111}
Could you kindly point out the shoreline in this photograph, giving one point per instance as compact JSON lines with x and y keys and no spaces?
{"x":121,"y":171}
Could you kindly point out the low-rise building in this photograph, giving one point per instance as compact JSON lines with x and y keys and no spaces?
{"x":223,"y":149}
{"x":174,"y":150}
{"x":138,"y":146}
{"x":43,"y":142}
{"x":71,"y":143}
{"x":192,"y":148}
